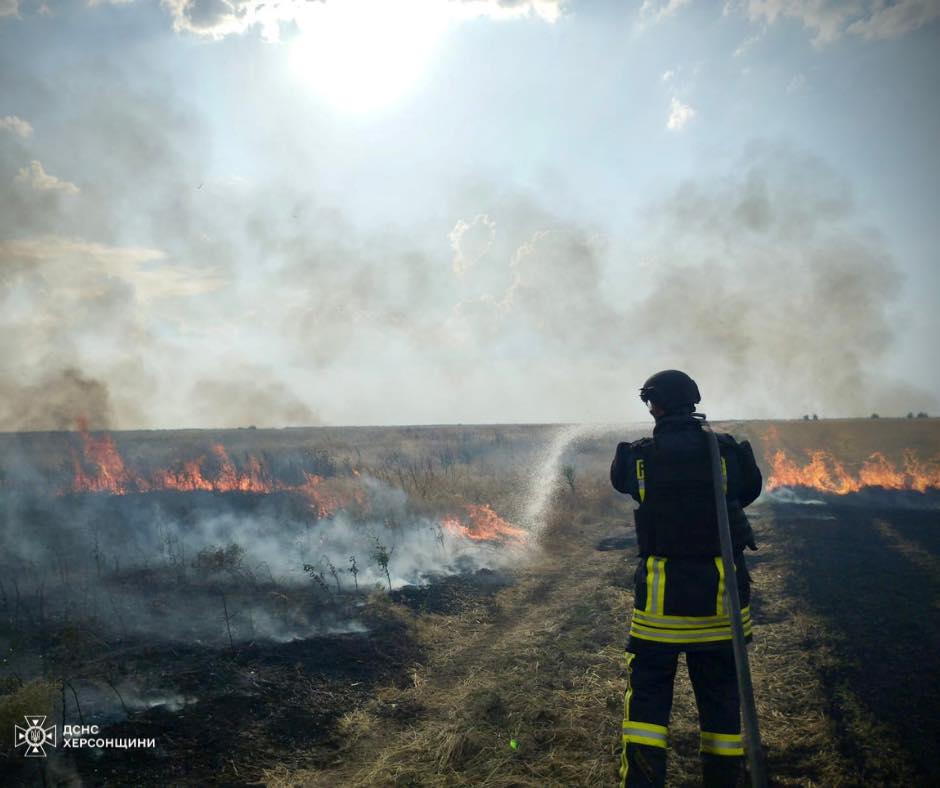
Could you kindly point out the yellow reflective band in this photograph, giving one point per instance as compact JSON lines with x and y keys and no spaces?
{"x":637,"y":626}
{"x":670,"y":619}
{"x":633,"y":734}
{"x":691,"y":622}
{"x":720,"y":603}
{"x":722,"y":743}
{"x":724,"y":475}
{"x":648,"y":727}
{"x":660,"y":586}
{"x":624,"y":766}
{"x":684,"y":635}
{"x":733,"y":737}
{"x":641,"y":479}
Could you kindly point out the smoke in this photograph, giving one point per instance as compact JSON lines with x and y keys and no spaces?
{"x":209,"y":568}
{"x":79,"y":302}
{"x":54,"y":402}
{"x":231,"y":403}
{"x":186,"y":296}
{"x":768,"y":286}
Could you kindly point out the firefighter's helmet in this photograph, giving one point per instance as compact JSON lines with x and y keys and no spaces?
{"x":670,"y":389}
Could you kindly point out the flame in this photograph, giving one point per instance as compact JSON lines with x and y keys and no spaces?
{"x":328,"y":498}
{"x":185,"y":476}
{"x":481,"y":524}
{"x":253,"y":479}
{"x":101,"y":468}
{"x":826,"y":473}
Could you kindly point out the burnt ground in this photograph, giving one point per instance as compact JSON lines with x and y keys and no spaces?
{"x":450,"y":594}
{"x":255,"y":706}
{"x":871,"y":576}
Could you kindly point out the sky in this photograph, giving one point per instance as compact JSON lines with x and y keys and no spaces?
{"x":219,"y":213}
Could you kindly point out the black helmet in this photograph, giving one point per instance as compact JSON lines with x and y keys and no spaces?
{"x":671,"y":389}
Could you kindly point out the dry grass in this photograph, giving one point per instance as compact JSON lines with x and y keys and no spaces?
{"x":544,"y":666}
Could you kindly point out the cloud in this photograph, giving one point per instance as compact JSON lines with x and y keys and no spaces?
{"x":16,"y":125}
{"x":829,"y":21}
{"x":745,"y":46}
{"x":9,"y":7}
{"x":78,"y":266}
{"x":895,"y":19}
{"x":653,"y":11}
{"x":471,"y":241}
{"x":546,"y":10}
{"x":797,"y":84}
{"x":36,"y":177}
{"x":217,"y":19}
{"x":679,"y":115}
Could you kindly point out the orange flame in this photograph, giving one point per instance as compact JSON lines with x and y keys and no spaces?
{"x":482,"y":524}
{"x":101,"y":468}
{"x":326,"y":498}
{"x":825,"y":473}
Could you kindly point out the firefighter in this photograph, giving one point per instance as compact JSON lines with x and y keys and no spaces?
{"x":679,"y":602}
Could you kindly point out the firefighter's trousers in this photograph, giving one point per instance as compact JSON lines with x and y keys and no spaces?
{"x":651,"y":672}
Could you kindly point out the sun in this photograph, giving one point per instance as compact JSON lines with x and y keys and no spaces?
{"x":360,"y":55}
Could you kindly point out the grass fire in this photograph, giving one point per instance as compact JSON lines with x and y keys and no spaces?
{"x":333,"y":450}
{"x":329,"y":595}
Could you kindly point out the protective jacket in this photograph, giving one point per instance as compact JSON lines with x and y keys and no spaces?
{"x":679,"y":580}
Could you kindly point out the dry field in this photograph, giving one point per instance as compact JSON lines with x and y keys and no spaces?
{"x":523,"y":644}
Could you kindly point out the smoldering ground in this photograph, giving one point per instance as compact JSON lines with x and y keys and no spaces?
{"x":202,"y":567}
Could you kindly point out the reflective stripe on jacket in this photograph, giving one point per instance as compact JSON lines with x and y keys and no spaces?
{"x":682,"y":601}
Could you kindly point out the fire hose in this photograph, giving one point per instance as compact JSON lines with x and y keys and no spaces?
{"x":755,"y":753}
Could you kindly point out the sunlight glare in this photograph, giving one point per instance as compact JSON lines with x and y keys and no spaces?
{"x":360,"y":55}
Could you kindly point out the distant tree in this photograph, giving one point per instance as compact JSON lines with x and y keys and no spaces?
{"x":815,"y":417}
{"x":922,"y":415}
{"x":874,"y":416}
{"x":910,"y":414}
{"x":805,"y":417}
